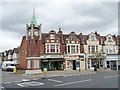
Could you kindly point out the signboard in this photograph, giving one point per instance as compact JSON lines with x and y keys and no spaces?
{"x":91,"y":56}
{"x":52,"y":56}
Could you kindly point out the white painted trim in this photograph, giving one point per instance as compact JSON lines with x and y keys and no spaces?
{"x":33,"y":58}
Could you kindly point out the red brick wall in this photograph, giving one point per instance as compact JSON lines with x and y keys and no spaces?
{"x":33,"y":47}
{"x":42,"y":48}
{"x":22,"y":55}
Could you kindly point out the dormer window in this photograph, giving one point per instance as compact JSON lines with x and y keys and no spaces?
{"x":109,"y":39}
{"x":92,"y":37}
{"x":52,"y":36}
{"x":73,"y":38}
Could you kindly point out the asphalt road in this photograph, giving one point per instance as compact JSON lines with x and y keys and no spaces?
{"x":98,"y":80}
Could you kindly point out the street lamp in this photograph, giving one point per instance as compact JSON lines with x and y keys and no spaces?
{"x":79,"y":63}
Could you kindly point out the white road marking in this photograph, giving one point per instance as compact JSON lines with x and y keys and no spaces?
{"x":26,"y":84}
{"x":111,"y":76}
{"x":24,"y":80}
{"x":35,"y":83}
{"x":1,"y":87}
{"x":72,"y":82}
{"x":37,"y":79}
{"x":7,"y":82}
{"x":17,"y":81}
{"x":55,"y":80}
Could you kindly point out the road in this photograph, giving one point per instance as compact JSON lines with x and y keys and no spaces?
{"x":98,"y":80}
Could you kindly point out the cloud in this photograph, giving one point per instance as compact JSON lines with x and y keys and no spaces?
{"x":85,"y":17}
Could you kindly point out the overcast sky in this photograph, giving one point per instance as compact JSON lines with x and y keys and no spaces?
{"x":80,"y":17}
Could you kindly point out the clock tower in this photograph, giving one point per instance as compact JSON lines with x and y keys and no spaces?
{"x":33,"y":38}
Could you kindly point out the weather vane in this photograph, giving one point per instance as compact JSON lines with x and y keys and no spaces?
{"x":33,"y":12}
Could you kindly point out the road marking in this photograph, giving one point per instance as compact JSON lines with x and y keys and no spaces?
{"x":1,"y":87}
{"x":17,"y":81}
{"x":7,"y":82}
{"x":55,"y":80}
{"x":112,"y":76}
{"x":35,"y":83}
{"x":26,"y":84}
{"x":72,"y":82}
{"x":37,"y":79}
{"x":24,"y":80}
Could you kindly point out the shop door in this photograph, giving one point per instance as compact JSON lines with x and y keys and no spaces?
{"x":74,"y":64}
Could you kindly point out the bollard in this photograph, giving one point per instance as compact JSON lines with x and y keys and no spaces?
{"x":45,"y":72}
{"x":14,"y":70}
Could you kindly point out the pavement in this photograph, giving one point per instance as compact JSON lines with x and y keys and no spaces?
{"x":66,"y":73}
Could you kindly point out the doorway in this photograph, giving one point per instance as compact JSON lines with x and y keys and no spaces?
{"x":74,"y":64}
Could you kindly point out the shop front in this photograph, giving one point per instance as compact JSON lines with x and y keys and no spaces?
{"x":93,"y":60}
{"x":75,"y":62}
{"x":52,"y":62}
{"x":113,"y":61}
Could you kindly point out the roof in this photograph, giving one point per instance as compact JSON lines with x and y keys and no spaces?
{"x":34,"y":20}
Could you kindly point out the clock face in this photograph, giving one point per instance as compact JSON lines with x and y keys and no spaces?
{"x":36,"y":33}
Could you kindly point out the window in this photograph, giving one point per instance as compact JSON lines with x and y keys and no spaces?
{"x":77,"y":49}
{"x":96,"y":48}
{"x":73,"y":38}
{"x":92,"y":38}
{"x":88,"y":48}
{"x":110,"y":50}
{"x":109,"y":39}
{"x":52,"y":36}
{"x":36,"y":41}
{"x":92,"y":48}
{"x":68,"y":49}
{"x":57,"y":48}
{"x":72,"y":49}
{"x":47,"y":48}
{"x":52,"y":48}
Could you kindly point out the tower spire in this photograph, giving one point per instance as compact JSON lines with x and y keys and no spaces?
{"x":34,"y":18}
{"x":33,"y":12}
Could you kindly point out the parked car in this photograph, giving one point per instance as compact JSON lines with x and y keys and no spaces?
{"x":8,"y":65}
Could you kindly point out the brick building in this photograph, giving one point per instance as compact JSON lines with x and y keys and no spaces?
{"x":59,"y":51}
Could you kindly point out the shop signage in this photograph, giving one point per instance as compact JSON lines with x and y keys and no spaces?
{"x":91,"y":56}
{"x":52,"y":56}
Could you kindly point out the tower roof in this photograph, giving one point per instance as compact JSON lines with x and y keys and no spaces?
{"x":34,"y":19}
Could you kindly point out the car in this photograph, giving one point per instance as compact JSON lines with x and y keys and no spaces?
{"x":8,"y":66}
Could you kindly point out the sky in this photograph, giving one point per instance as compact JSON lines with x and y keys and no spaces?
{"x":79,"y":16}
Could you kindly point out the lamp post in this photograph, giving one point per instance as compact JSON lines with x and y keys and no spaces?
{"x":85,"y":61}
{"x":79,"y":63}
